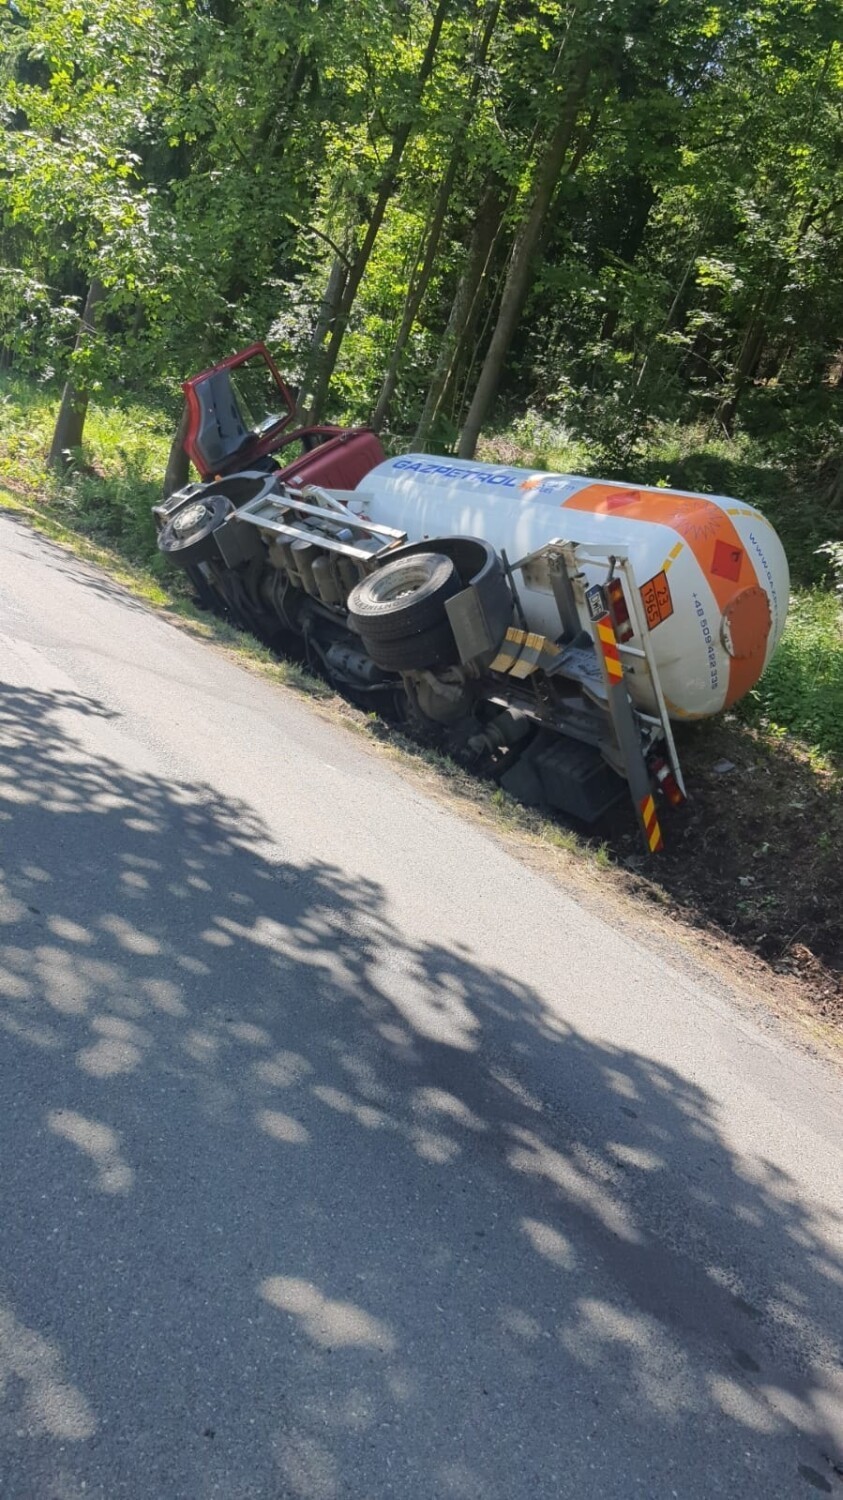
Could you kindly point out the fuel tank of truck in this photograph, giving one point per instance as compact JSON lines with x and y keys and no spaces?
{"x":711,"y":571}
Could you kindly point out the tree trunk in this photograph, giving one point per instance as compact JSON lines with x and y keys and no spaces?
{"x":749,"y":354}
{"x":675,"y":305}
{"x":419,"y":284}
{"x":328,"y":309}
{"x":70,"y":422}
{"x":518,"y":276}
{"x":643,"y":195}
{"x":486,"y":227}
{"x":835,"y":490}
{"x":418,"y":287}
{"x":177,"y":471}
{"x":386,"y":188}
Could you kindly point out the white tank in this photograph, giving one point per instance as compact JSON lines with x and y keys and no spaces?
{"x":712,"y":572}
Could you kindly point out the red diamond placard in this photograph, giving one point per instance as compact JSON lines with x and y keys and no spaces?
{"x":727,"y":560}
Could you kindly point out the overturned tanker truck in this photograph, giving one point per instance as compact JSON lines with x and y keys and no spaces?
{"x":550,"y":628}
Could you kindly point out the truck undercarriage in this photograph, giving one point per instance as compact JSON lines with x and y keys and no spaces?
{"x":431,"y":630}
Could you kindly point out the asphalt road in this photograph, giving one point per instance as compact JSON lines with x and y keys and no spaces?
{"x":344,"y":1156}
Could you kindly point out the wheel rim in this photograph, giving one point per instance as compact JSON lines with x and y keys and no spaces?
{"x":401,"y":587}
{"x":190,"y":519}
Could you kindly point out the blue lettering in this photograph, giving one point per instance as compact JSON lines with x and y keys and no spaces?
{"x":452,"y":471}
{"x":766,"y":566}
{"x":709,"y":643}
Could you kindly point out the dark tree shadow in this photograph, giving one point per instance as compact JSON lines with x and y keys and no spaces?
{"x":296,"y":1206}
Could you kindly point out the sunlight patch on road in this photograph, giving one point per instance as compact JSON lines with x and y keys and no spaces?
{"x":656,"y":1369}
{"x":282,"y":1127}
{"x":434,"y":1009}
{"x":549,"y":1243}
{"x":283,"y":1070}
{"x":328,"y":1323}
{"x":536,"y":1159}
{"x":33,"y":1381}
{"x":201,"y":1046}
{"x":68,"y":931}
{"x":119,"y":1048}
{"x":435,"y":1147}
{"x":163,"y":995}
{"x":439,"y":1102}
{"x":98,"y":1142}
{"x":742,"y":1405}
{"x":365,"y":1114}
{"x":131,"y":938}
{"x":310,"y":1470}
{"x":635,"y":1156}
{"x":61,"y":978}
{"x":13,"y":986}
{"x":249,"y":1034}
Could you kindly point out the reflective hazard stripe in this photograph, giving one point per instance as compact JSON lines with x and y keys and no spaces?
{"x":521,"y":653}
{"x":651,"y":824}
{"x":609,"y":646}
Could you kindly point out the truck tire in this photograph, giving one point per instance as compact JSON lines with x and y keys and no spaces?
{"x":188,"y":536}
{"x":403,"y":597}
{"x":206,"y":595}
{"x":426,"y":649}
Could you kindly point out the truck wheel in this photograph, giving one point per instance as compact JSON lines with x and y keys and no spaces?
{"x":206,"y":595}
{"x":435,"y":647}
{"x":403,"y":597}
{"x":188,"y":538}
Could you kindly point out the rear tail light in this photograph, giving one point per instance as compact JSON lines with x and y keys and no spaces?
{"x":666,"y":781}
{"x":618,"y":610}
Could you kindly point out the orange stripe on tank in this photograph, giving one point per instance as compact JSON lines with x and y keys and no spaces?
{"x":701,"y":524}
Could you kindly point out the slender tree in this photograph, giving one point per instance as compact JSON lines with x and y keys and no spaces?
{"x":385,"y":189}
{"x":421,"y":280}
{"x":518,"y":276}
{"x":70,"y":422}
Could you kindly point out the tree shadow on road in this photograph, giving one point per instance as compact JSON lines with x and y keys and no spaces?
{"x":297,"y":1206}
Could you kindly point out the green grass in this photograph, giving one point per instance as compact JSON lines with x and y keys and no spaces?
{"x":108,"y":499}
{"x":802,"y":690}
{"x":109,"y":494}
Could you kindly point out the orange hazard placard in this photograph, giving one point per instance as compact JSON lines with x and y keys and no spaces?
{"x":658,"y":604}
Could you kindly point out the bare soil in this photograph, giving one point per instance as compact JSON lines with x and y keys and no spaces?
{"x":755,"y":855}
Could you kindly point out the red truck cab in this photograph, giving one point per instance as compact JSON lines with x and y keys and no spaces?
{"x":241,"y":415}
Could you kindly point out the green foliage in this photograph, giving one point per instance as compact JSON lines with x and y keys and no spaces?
{"x":801,"y":692}
{"x":115,"y":480}
{"x":224,"y":170}
{"x":833,"y":551}
{"x":211,"y":164}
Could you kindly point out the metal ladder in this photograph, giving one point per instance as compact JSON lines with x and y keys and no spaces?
{"x":557,"y":568}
